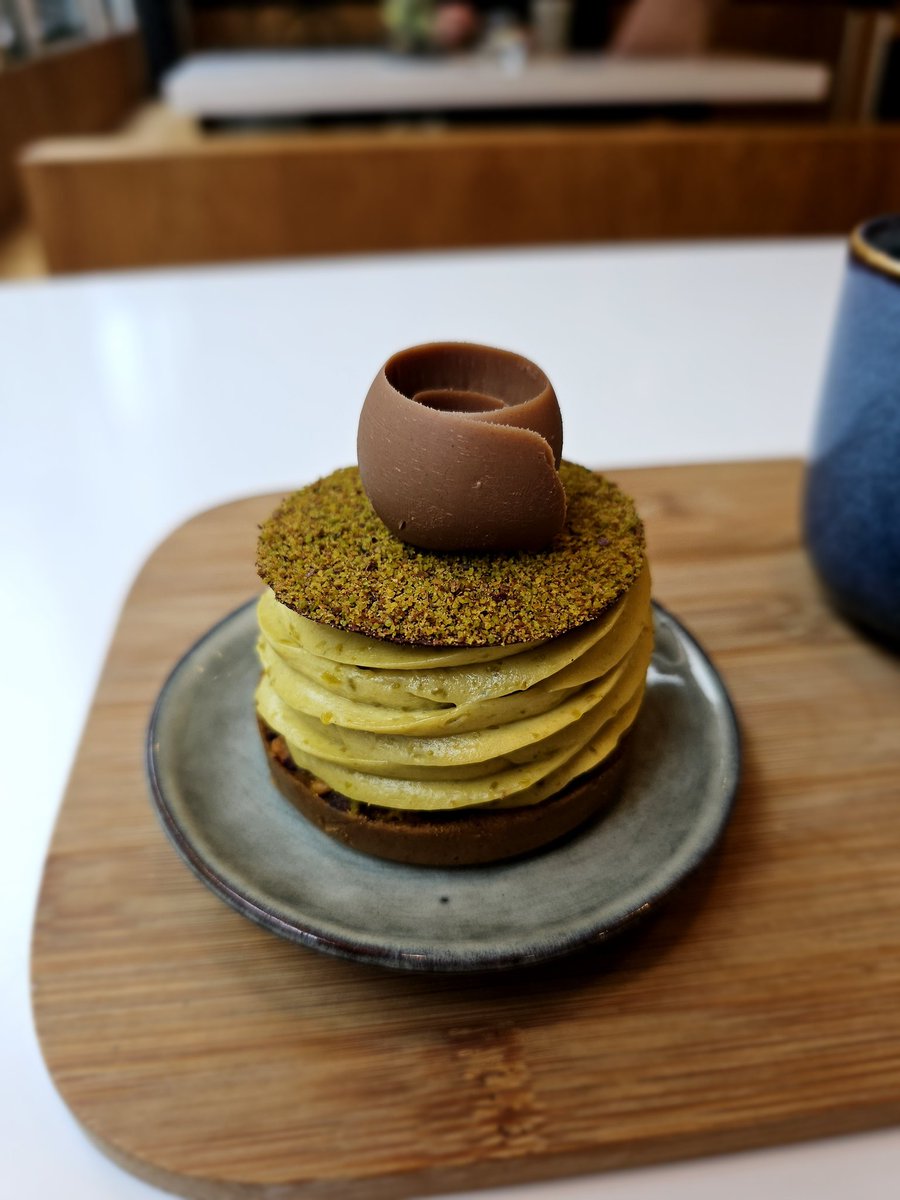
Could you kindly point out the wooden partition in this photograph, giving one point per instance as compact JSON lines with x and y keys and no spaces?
{"x":106,"y":203}
{"x":69,"y":90}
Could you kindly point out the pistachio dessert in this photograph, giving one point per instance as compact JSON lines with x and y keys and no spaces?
{"x":455,"y":636}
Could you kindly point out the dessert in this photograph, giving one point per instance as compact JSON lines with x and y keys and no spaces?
{"x":452,"y":692}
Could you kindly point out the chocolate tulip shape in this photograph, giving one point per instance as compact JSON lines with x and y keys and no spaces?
{"x":459,"y":448}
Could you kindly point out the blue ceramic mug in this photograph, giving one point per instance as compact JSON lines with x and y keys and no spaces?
{"x":853,"y":485}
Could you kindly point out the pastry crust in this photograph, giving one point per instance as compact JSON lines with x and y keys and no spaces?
{"x":463,"y":837}
{"x":327,"y":556}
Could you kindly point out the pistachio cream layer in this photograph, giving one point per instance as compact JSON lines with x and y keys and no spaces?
{"x":414,"y":727}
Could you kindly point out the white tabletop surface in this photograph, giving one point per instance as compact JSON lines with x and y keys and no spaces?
{"x":129,"y":402}
{"x":247,"y":83}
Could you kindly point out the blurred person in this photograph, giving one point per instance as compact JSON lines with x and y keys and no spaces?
{"x":648,"y":27}
{"x":665,"y":28}
{"x":456,"y":25}
{"x":651,"y":28}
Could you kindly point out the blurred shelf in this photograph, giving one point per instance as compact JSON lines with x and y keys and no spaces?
{"x":297,"y":83}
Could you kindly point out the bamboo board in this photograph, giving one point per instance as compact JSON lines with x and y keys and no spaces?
{"x":761,"y":1006}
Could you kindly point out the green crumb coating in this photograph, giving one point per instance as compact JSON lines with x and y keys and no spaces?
{"x":326,"y":554}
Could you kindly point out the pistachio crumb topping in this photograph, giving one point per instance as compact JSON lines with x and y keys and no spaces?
{"x":327,"y":555}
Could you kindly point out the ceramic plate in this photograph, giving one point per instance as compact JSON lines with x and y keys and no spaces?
{"x":211,"y":786}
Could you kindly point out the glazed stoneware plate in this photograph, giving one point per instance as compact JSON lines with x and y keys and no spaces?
{"x":210,"y":782}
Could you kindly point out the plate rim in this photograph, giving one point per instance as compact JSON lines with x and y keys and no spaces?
{"x":423,"y":959}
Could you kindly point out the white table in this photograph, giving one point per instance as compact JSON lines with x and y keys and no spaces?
{"x":129,"y":402}
{"x":260,"y":83}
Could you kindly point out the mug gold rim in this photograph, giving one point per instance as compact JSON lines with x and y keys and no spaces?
{"x":869,"y":255}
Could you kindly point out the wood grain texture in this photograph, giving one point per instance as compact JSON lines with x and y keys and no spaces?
{"x":20,"y":254}
{"x":273,"y":25}
{"x":761,"y":1006}
{"x":110,"y":203}
{"x":69,"y":90}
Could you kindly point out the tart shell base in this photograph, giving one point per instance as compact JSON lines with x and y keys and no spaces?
{"x":464,"y":837}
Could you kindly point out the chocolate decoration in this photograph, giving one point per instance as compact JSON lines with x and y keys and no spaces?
{"x":459,"y":448}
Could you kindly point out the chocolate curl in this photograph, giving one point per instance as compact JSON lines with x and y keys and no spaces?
{"x":459,"y":448}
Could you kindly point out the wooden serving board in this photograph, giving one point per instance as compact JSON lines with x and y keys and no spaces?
{"x":761,"y":1006}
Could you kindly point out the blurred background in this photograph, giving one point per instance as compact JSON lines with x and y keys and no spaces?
{"x":150,"y":132}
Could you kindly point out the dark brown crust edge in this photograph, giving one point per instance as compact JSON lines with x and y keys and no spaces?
{"x":465,"y":837}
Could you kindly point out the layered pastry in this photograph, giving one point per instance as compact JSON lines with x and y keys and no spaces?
{"x":455,"y":635}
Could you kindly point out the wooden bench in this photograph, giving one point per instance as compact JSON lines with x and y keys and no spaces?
{"x":112,"y":202}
